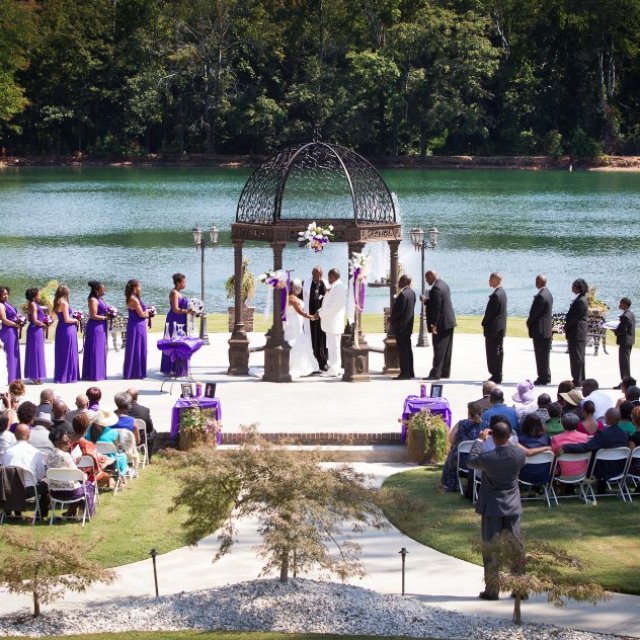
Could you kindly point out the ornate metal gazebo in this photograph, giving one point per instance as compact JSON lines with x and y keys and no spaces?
{"x":328,"y":184}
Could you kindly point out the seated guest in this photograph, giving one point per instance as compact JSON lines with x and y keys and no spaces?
{"x":601,"y":399}
{"x":498,"y":407}
{"x":11,"y":411}
{"x":7,"y":439}
{"x":589,"y":424}
{"x":80,"y":426}
{"x":564,"y":387}
{"x":533,"y":439}
{"x":487,"y":387}
{"x":58,"y":415}
{"x":627,"y":381}
{"x":543,"y":402}
{"x":626,"y":409}
{"x":17,"y":389}
{"x":60,"y":458}
{"x":633,"y":395}
{"x":570,"y":402}
{"x":39,"y":425}
{"x":610,"y":437}
{"x":82,"y":406}
{"x":125,"y":421}
{"x":554,"y":425}
{"x":468,"y":429}
{"x":570,"y":435}
{"x":524,"y":399}
{"x":24,"y":455}
{"x":102,"y":431}
{"x":46,"y":401}
{"x":140,"y":412}
{"x":95,"y":395}
{"x":634,"y":441}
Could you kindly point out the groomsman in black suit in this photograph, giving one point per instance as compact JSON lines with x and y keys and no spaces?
{"x":402,"y":324}
{"x":575,"y":330}
{"x":494,"y":325}
{"x":441,"y":321}
{"x":317,"y":291}
{"x":539,"y":325}
{"x":625,"y":337}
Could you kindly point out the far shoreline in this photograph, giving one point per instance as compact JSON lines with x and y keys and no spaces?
{"x":628,"y":164}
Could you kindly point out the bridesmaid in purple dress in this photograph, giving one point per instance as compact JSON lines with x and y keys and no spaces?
{"x":178,"y":314}
{"x":34,"y":364}
{"x":135,"y":352}
{"x":66,"y":367}
{"x":94,"y":361}
{"x":9,"y":335}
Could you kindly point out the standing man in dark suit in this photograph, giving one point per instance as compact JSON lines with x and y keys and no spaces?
{"x":402,"y":324}
{"x":441,"y":321}
{"x":494,"y":326}
{"x":313,"y":296}
{"x":539,"y":325}
{"x":575,"y":329}
{"x":140,"y":412}
{"x":499,"y":496}
{"x":625,"y":337}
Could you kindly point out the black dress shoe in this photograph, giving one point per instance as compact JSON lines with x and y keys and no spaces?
{"x":487,"y":595}
{"x":431,"y":378}
{"x":402,"y":378}
{"x":541,"y":383}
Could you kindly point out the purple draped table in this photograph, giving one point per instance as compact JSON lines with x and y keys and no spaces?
{"x":189,"y":403}
{"x":413,"y":404}
{"x":180,"y":350}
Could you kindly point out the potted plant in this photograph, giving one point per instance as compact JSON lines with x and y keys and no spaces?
{"x":248,"y":288}
{"x":197,"y":427}
{"x":427,"y":437}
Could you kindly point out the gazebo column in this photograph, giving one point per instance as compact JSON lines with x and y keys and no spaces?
{"x":355,"y":350}
{"x":239,"y":342}
{"x":276,"y":351}
{"x":391,"y":361}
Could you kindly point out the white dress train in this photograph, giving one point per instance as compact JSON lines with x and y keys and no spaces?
{"x":302,"y":362}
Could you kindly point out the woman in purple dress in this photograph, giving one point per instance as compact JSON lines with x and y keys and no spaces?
{"x":94,"y":361}
{"x":135,"y":352}
{"x":34,"y":364}
{"x":66,"y":367}
{"x":9,"y":335}
{"x":178,"y":314}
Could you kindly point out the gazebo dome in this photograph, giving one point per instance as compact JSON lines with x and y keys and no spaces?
{"x":312,"y":181}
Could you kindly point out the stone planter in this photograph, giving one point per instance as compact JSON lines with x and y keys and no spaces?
{"x":248,"y":314}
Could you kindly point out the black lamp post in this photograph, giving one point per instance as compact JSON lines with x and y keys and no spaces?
{"x":422,"y":242}
{"x":201,"y":243}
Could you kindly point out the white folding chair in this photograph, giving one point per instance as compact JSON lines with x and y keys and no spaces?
{"x":88,"y":465}
{"x":544,"y":458}
{"x":127,"y":442}
{"x":143,"y":447}
{"x":576,"y":480}
{"x":68,"y":475}
{"x":463,"y":471}
{"x":616,"y":454}
{"x":109,"y":449}
{"x":634,"y":478}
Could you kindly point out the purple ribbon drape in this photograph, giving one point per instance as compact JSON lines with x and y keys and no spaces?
{"x":359,"y":289}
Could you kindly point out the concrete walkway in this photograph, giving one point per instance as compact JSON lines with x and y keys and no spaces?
{"x":331,"y":405}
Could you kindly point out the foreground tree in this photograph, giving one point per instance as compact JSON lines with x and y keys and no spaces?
{"x":547,"y":569}
{"x":303,"y":508}
{"x":47,"y":568}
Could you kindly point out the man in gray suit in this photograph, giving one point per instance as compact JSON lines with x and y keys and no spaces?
{"x":499,"y":496}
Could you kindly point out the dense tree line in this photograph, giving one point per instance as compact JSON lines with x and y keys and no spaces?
{"x":383,"y":76}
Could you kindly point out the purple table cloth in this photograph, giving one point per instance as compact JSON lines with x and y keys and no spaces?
{"x":413,"y":404}
{"x":203,"y":403}
{"x":180,"y":351}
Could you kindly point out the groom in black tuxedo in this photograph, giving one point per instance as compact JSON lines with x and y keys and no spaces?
{"x":402,"y":324}
{"x":494,"y":325}
{"x":317,"y":291}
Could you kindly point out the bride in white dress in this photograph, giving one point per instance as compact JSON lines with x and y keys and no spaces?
{"x":302,"y":362}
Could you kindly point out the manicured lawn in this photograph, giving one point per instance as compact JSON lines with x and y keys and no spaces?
{"x":209,"y":635}
{"x":129,"y":523}
{"x":606,"y":535}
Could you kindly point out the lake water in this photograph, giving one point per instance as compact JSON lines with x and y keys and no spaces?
{"x":115,"y":223}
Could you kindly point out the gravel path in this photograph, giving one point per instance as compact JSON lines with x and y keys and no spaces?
{"x":299,"y":606}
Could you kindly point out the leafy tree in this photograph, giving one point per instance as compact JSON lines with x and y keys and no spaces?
{"x":47,"y":568}
{"x":302,"y":507}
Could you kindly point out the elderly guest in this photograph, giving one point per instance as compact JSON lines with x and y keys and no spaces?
{"x":524,"y":399}
{"x":60,"y":458}
{"x":570,"y":435}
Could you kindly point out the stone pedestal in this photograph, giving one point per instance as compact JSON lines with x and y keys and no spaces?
{"x":391,"y":360}
{"x":276,"y":361}
{"x":356,"y":362}
{"x":238,"y":354}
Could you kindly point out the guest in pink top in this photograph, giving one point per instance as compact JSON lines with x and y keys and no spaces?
{"x":570,"y":435}
{"x":589,"y":424}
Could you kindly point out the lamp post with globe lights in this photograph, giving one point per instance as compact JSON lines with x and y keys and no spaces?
{"x":421,"y":242}
{"x":201,"y":242}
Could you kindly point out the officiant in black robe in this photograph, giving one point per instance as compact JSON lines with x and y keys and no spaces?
{"x":316,"y":292}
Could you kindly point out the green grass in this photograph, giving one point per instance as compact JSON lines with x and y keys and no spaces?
{"x":129,"y":523}
{"x":209,"y":635}
{"x":605,"y":535}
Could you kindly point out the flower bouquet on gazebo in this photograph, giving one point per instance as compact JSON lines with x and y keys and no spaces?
{"x":315,"y":237}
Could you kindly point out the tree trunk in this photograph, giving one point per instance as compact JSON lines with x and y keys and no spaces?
{"x":36,"y":604}
{"x":517,"y":613}
{"x":284,"y":566}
